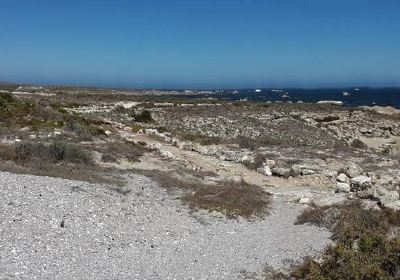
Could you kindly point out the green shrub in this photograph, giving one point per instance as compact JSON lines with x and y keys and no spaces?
{"x":82,"y":130}
{"x":5,"y":98}
{"x":363,"y":249}
{"x":144,"y":116}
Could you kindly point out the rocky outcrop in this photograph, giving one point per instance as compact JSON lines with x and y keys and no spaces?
{"x":360,"y":183}
{"x":351,"y":169}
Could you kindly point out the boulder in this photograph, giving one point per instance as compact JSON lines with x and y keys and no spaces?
{"x":342,"y":178}
{"x":307,"y":172}
{"x":360,"y":183}
{"x":167,"y":154}
{"x":352,"y":169}
{"x":330,"y":200}
{"x":342,"y":187}
{"x":265,"y":169}
{"x":389,"y":199}
{"x":282,"y":171}
{"x":304,"y":200}
{"x":302,"y":170}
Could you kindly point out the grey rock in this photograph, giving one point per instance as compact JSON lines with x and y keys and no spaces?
{"x":307,"y":172}
{"x":301,"y":169}
{"x":342,"y":178}
{"x":337,"y":198}
{"x":266,"y":170}
{"x":389,"y":199}
{"x":282,"y":171}
{"x":352,"y":169}
{"x":342,"y":187}
{"x":360,"y":183}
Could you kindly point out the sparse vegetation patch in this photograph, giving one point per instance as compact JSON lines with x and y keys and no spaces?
{"x":364,"y":247}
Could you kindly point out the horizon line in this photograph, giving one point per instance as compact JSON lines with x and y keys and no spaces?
{"x":179,"y":88}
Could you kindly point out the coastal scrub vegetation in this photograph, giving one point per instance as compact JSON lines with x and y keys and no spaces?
{"x":52,"y":152}
{"x":366,"y":244}
{"x":144,"y":116}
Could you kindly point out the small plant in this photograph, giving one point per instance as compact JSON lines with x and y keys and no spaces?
{"x":259,"y":158}
{"x":136,"y":128}
{"x":357,"y":143}
{"x":144,"y":116}
{"x":5,"y":98}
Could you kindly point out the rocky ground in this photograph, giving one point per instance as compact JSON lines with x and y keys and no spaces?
{"x":58,"y":229}
{"x":304,"y":155}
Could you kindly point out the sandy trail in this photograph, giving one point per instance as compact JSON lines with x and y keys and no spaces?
{"x":52,"y":228}
{"x":225,"y":169}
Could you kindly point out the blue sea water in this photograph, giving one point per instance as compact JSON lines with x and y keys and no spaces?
{"x":355,"y":97}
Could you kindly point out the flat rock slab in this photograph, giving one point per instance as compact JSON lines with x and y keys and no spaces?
{"x":52,"y":228}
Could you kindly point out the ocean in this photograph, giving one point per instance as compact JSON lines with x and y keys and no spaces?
{"x":351,"y":97}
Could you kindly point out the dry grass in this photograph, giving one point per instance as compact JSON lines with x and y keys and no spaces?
{"x":114,"y":151}
{"x":202,"y":139}
{"x":230,"y":198}
{"x":51,"y":152}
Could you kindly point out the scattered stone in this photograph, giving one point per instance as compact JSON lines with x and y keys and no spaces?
{"x":370,"y":204}
{"x":342,"y":178}
{"x":266,"y":170}
{"x":360,"y":183}
{"x":304,"y":200}
{"x":352,"y":169}
{"x":330,"y":200}
{"x":386,"y":198}
{"x":167,"y":154}
{"x":342,"y":187}
{"x":307,"y":172}
{"x":107,"y":132}
{"x":282,"y":172}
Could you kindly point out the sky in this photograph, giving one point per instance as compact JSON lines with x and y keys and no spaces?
{"x":201,"y":43}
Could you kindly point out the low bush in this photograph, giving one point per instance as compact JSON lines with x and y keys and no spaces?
{"x":54,"y":152}
{"x":5,"y":98}
{"x":136,"y":128}
{"x":357,"y":143}
{"x":363,"y":248}
{"x":81,"y":129}
{"x":259,"y":158}
{"x":144,"y":116}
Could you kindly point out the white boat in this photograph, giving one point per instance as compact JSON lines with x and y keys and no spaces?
{"x":345,"y":93}
{"x":257,"y":90}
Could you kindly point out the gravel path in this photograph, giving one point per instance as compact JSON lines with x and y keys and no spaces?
{"x":59,"y":229}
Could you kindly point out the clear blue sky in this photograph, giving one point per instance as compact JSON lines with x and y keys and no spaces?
{"x":201,"y":43}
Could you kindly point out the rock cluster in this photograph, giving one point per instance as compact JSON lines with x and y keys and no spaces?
{"x":352,"y":180}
